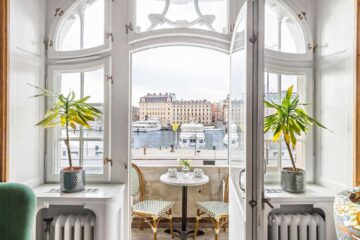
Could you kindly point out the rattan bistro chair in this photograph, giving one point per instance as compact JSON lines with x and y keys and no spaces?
{"x":150,"y":211}
{"x":217,"y":211}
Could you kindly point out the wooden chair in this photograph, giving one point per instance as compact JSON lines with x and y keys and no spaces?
{"x":150,"y":211}
{"x":217,"y":211}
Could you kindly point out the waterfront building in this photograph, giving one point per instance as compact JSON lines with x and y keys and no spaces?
{"x":197,"y":111}
{"x":168,"y":110}
{"x":235,"y":109}
{"x":217,"y":112}
{"x":157,"y":106}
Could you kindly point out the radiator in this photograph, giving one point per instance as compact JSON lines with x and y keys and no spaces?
{"x":296,"y":227}
{"x":74,"y":227}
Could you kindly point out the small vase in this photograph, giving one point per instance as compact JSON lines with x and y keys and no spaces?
{"x":186,"y":171}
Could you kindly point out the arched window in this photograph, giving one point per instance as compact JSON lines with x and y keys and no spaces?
{"x":82,"y":28}
{"x":288,"y":62}
{"x":283,"y":31}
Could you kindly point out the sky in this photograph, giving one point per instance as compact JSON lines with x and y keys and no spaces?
{"x":192,"y":73}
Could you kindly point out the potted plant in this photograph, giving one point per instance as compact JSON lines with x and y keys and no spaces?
{"x":70,"y":113}
{"x":185,"y":164}
{"x":289,"y":121}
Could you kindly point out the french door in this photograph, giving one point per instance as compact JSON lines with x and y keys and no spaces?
{"x":246,"y":124}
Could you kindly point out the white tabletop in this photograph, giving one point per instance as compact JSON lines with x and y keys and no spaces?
{"x":181,"y":180}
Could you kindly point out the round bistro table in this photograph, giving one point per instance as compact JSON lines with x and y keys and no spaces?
{"x":184,"y":182}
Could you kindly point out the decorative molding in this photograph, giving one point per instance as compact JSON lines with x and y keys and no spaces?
{"x":160,"y":19}
{"x":4,"y":66}
{"x":357,"y":98}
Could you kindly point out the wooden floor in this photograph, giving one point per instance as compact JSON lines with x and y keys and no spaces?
{"x":146,"y":234}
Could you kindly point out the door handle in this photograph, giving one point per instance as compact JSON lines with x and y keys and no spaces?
{"x":240,"y":175}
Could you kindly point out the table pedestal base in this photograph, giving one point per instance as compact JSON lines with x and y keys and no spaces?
{"x":185,"y":234}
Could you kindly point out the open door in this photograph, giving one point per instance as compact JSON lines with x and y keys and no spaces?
{"x":246,"y":125}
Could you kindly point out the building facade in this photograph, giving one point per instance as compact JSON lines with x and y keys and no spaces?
{"x":198,"y":111}
{"x":169,"y":110}
{"x":157,"y":106}
{"x":235,"y":110}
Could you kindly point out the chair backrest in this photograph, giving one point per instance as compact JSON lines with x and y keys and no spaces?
{"x":17,"y":211}
{"x":136,"y":182}
{"x":226,"y":189}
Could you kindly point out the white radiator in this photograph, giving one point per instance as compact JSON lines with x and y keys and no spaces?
{"x":74,"y":227}
{"x":296,"y":227}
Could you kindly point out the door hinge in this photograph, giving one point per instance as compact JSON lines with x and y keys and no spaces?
{"x":252,"y":203}
{"x":108,"y":161}
{"x":48,"y":43}
{"x":109,"y":78}
{"x":129,"y":27}
{"x":268,"y":202}
{"x":302,"y":15}
{"x":253,"y":39}
{"x":109,"y":35}
{"x":312,"y":46}
{"x":232,"y":27}
{"x":59,"y":12}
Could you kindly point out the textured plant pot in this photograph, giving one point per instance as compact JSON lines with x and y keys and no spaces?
{"x":293,"y":181}
{"x":72,"y":180}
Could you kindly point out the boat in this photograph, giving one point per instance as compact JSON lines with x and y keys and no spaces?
{"x":192,"y":135}
{"x":148,"y":125}
{"x":234,"y":137}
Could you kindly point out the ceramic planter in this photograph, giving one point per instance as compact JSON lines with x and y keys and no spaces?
{"x":72,"y":180}
{"x":293,"y":181}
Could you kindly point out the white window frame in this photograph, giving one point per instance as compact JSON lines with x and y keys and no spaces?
{"x":52,"y":138}
{"x":274,"y":176}
{"x":294,"y":10}
{"x":296,"y":64}
{"x":67,"y":7}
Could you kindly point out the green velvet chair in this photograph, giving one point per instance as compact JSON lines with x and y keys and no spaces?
{"x":17,"y":211}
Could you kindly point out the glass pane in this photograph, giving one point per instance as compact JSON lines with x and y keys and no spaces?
{"x":72,"y":133}
{"x":94,"y":24}
{"x":70,"y":33}
{"x":97,"y":128}
{"x":271,"y":27}
{"x":162,"y":98}
{"x":200,"y":14}
{"x":63,"y":154}
{"x":298,"y":154}
{"x":237,"y":126}
{"x":70,"y":82}
{"x":298,"y":81}
{"x":271,"y":152}
{"x":94,"y":85}
{"x":93,"y":157}
{"x":271,"y":88}
{"x":292,"y":37}
{"x":83,"y":28}
{"x":282,"y":30}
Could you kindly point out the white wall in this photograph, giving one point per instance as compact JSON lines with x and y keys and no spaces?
{"x":26,"y":151}
{"x":334,"y":91}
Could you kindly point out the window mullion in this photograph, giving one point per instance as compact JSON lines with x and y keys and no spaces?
{"x":82,"y":26}
{"x":81,"y":142}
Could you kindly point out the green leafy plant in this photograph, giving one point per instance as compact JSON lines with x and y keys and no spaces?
{"x":67,"y":112}
{"x":289,"y":121}
{"x":184,"y":163}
